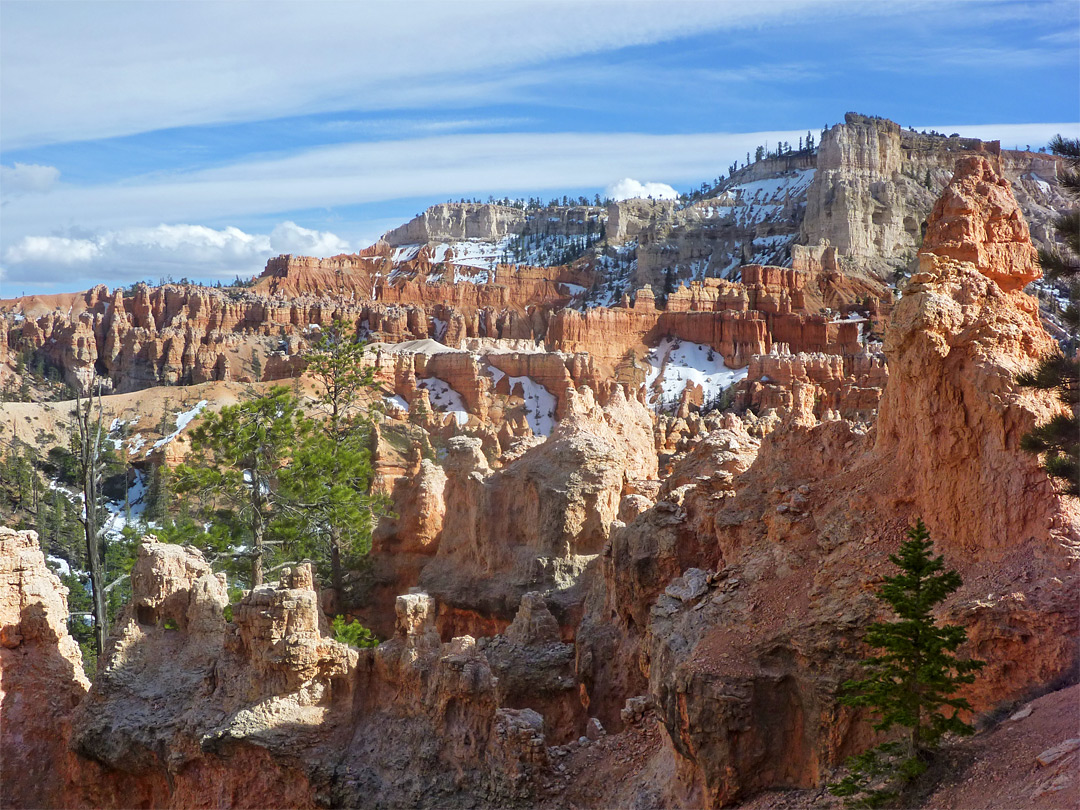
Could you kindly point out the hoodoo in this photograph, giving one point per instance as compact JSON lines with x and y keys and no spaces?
{"x":543,"y":505}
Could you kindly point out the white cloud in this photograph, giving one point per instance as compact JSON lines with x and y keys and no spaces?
{"x":131,"y":254}
{"x":288,"y":237}
{"x":22,"y":178}
{"x":51,"y":250}
{"x":627,"y":189}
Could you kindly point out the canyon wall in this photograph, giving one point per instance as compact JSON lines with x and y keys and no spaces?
{"x":744,"y":652}
{"x":877,"y":182}
{"x":458,"y":221}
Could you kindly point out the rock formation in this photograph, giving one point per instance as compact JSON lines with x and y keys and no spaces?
{"x":876,"y":184}
{"x":743,"y":653}
{"x":847,"y":387}
{"x":191,"y":709}
{"x":41,"y":677}
{"x":656,"y":607}
{"x":491,"y":535}
{"x":449,"y":221}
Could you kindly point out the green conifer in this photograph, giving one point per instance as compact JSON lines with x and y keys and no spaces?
{"x":913,"y":681}
{"x":238,"y":455}
{"x":328,"y":509}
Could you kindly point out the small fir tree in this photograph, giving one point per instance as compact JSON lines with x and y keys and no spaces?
{"x":353,"y":633}
{"x":913,"y":681}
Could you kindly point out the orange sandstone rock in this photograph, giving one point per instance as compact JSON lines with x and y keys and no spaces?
{"x":977,"y":220}
{"x":41,"y":677}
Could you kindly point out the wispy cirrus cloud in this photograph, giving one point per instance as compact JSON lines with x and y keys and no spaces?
{"x":100,"y":70}
{"x":356,"y":173}
{"x":411,"y":127}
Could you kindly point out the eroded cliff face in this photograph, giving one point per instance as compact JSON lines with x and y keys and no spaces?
{"x":41,"y":677}
{"x":744,"y":651}
{"x":478,"y":538}
{"x":265,"y":710}
{"x":876,"y":184}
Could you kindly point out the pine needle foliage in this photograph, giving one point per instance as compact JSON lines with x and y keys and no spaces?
{"x":335,"y":361}
{"x":353,"y":633}
{"x":912,"y":682}
{"x":329,"y":510}
{"x":238,"y":456}
{"x":1058,"y":441}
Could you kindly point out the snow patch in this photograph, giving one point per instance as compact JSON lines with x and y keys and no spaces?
{"x":60,"y":564}
{"x":675,"y":363}
{"x":440,"y":329}
{"x":444,"y":398}
{"x":137,"y":444}
{"x":539,"y":405}
{"x":183,"y":419}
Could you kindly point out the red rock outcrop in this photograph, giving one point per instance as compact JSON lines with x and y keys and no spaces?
{"x":735,"y":320}
{"x":744,"y":652}
{"x":187,"y":335}
{"x":41,"y":677}
{"x":847,"y":387}
{"x":977,"y":220}
{"x":349,"y":276}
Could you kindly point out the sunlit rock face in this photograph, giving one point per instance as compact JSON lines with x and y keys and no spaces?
{"x":590,"y":567}
{"x":41,"y":677}
{"x":744,"y":651}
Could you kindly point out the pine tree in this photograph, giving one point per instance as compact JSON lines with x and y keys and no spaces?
{"x":326,"y":489}
{"x":328,"y":509}
{"x":914,"y":678}
{"x":1058,"y":440}
{"x":336,"y":363}
{"x":158,"y":495}
{"x":238,"y":456}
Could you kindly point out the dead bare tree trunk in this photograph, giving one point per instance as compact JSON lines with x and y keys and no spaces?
{"x":89,"y":456}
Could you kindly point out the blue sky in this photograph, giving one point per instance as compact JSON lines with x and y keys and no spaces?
{"x":197,"y":139}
